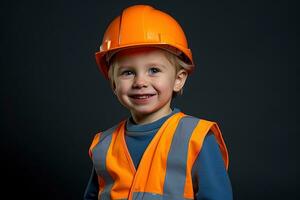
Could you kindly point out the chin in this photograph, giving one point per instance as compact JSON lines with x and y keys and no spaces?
{"x":143,"y":111}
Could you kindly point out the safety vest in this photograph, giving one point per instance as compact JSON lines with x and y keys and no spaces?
{"x":165,"y":170}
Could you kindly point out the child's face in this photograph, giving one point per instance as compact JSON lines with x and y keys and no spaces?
{"x":144,"y":81}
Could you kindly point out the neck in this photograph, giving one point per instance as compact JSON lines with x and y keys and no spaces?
{"x":152,"y":117}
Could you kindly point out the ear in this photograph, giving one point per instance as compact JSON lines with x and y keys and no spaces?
{"x":180,"y":79}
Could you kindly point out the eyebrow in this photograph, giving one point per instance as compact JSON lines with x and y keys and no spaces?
{"x":123,"y":67}
{"x":156,"y":64}
{"x":126,"y":65}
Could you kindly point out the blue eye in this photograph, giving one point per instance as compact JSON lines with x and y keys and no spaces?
{"x":154,"y":70}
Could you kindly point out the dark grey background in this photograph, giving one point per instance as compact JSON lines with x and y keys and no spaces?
{"x":53,"y":99}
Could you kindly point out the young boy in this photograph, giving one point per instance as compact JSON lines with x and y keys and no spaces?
{"x":158,"y":152}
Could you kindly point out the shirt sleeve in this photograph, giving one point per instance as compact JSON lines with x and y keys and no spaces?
{"x":210,"y":178}
{"x":91,"y":191}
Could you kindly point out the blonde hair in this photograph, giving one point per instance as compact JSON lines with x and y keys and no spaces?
{"x":172,"y":58}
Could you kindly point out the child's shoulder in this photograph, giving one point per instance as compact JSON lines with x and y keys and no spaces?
{"x":199,"y":123}
{"x":102,"y":134}
{"x":197,"y":118}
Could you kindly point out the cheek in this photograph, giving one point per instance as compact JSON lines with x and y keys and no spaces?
{"x":165,"y":86}
{"x":121,"y":87}
{"x":120,"y":93}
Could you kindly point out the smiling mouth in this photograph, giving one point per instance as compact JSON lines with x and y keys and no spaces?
{"x":143,"y":96}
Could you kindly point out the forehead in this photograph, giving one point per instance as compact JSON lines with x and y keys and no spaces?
{"x":142,"y":55}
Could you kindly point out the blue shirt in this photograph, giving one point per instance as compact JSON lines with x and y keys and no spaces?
{"x":211,"y":178}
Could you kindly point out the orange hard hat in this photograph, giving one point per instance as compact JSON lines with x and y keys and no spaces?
{"x":139,"y":26}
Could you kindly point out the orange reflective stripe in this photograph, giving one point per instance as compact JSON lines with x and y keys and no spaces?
{"x":215,"y":128}
{"x":195,"y":146}
{"x":193,"y":151}
{"x":94,"y":143}
{"x":152,"y":169}
{"x":119,"y":165}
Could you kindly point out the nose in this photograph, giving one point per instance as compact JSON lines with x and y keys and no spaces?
{"x":140,"y":81}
